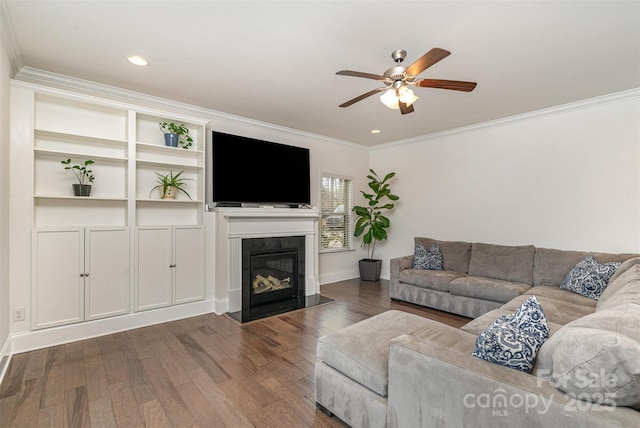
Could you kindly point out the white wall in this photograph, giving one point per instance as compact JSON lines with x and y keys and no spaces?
{"x":566,"y":178}
{"x":5,"y":75}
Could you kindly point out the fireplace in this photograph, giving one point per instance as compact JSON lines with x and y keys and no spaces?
{"x":235,"y":225}
{"x":273,"y":276}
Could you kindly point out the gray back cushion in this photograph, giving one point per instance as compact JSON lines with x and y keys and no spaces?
{"x":550,"y":266}
{"x":455,"y":254}
{"x":511,"y":263}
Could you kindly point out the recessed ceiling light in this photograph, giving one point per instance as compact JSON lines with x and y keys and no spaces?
{"x":375,"y":131}
{"x":137,"y":60}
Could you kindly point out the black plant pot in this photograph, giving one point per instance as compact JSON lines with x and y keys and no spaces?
{"x":81,"y":189}
{"x":370,"y":269}
{"x":171,"y":140}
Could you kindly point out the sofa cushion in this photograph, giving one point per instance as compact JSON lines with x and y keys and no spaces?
{"x":551,"y":266}
{"x":557,"y":311}
{"x":511,"y":263}
{"x":554,"y":292}
{"x":477,"y":325}
{"x":455,"y":254}
{"x":487,"y":288}
{"x":624,"y":286}
{"x":427,"y":258}
{"x":432,"y":279}
{"x":597,"y":358}
{"x":589,"y":278}
{"x":514,"y":340}
{"x":361,"y":351}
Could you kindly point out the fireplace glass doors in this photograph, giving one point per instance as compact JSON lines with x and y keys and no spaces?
{"x":273,"y":276}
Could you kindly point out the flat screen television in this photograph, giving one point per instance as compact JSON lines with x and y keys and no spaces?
{"x":252,"y":171}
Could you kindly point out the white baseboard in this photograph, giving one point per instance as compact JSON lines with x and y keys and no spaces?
{"x":5,"y":358}
{"x":38,"y":339}
{"x":338,"y":276}
{"x":221,"y":306}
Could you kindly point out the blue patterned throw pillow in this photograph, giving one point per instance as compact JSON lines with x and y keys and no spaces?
{"x":514,"y":340}
{"x":589,"y":278}
{"x":427,"y":258}
{"x":530,"y":318}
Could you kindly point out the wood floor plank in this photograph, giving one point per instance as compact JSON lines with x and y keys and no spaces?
{"x":203,"y":413}
{"x":153,"y":415}
{"x":101,"y":413}
{"x":77,"y":407}
{"x":137,"y":377}
{"x":12,"y":382}
{"x":204,"y":371}
{"x":52,"y":416}
{"x":125,"y":407}
{"x":52,"y":393}
{"x":168,"y":396}
{"x":7,"y":404}
{"x":25,"y":411}
{"x":230,"y":414}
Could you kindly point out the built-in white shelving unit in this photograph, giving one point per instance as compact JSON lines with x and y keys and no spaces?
{"x":127,"y":146}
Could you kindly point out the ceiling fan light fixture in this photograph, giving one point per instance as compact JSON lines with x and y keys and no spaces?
{"x":406,"y":95}
{"x":390,"y":99}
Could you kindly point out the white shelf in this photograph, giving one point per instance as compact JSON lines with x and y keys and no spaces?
{"x":85,"y":139}
{"x":168,"y":165}
{"x":79,"y":198}
{"x":128,"y":148}
{"x":168,"y":149}
{"x":68,"y":154}
{"x":170,"y":201}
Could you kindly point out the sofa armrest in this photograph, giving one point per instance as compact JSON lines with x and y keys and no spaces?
{"x":401,"y":263}
{"x":431,"y":385}
{"x":396,"y":266}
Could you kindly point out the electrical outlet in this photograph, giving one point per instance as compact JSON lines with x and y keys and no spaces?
{"x":18,"y":314}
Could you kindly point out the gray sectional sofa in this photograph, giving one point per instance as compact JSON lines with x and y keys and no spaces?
{"x":398,"y":369}
{"x":481,"y":277}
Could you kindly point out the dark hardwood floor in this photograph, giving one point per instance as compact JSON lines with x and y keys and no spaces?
{"x":205,"y":371}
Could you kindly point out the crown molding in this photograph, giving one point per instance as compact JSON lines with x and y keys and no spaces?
{"x":8,"y":39}
{"x":563,"y":108}
{"x":86,"y":87}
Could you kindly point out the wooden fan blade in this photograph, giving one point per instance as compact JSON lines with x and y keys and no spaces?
{"x":455,"y":85}
{"x":362,"y":97}
{"x":360,"y":74}
{"x":427,"y":60}
{"x":404,"y":108}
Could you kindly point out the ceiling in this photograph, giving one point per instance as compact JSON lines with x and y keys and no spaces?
{"x":276,"y":61}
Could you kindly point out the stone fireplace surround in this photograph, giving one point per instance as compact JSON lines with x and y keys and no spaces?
{"x":235,"y":224}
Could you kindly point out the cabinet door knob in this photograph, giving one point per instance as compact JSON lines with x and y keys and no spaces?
{"x":86,"y":274}
{"x":81,"y":275}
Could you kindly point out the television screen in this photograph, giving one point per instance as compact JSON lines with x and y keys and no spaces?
{"x":251,"y":171}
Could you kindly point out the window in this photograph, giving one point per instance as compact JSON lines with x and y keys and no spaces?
{"x":335,"y":208}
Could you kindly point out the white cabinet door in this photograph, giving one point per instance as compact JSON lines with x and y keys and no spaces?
{"x":188,"y":250}
{"x":57,"y":277}
{"x":106,"y":272}
{"x":153,"y":267}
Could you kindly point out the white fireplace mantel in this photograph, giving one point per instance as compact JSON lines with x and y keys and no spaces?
{"x":235,"y":224}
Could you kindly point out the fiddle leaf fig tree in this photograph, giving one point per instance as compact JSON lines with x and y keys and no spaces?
{"x":371,"y":224}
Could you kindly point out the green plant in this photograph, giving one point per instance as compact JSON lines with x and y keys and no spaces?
{"x":371,"y":224}
{"x":167,"y":181}
{"x":82,"y":173}
{"x":184,"y":138}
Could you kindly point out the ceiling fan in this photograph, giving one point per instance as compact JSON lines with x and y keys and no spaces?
{"x":397,"y":80}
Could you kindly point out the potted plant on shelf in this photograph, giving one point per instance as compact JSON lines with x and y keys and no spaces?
{"x":371,"y":224}
{"x":83,"y":174}
{"x":170,"y":185}
{"x":175,"y":134}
